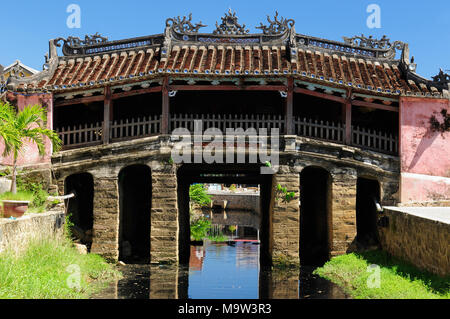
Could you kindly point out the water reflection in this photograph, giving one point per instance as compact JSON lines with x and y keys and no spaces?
{"x":219,"y":271}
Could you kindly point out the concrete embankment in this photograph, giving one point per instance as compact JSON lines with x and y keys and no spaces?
{"x":16,"y":233}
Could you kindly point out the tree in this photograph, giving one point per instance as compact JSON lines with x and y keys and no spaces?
{"x":199,"y":195}
{"x":19,"y":126}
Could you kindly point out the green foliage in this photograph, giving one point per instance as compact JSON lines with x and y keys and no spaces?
{"x":232,"y":187}
{"x":39,"y":194}
{"x":68,"y":224}
{"x":281,"y":192}
{"x":232,"y":228}
{"x":26,"y":125}
{"x":218,"y":238}
{"x":40,"y":272}
{"x":398,"y":279}
{"x":21,"y":195}
{"x":200,"y":228}
{"x":198,"y":195}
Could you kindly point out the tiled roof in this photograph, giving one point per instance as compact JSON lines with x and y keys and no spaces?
{"x":182,"y":52}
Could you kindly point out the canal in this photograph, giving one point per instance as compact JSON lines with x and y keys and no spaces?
{"x":219,"y":271}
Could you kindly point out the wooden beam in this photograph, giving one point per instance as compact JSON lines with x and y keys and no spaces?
{"x":228,"y":87}
{"x":107,"y":114}
{"x":320,"y":95}
{"x":86,"y":99}
{"x":165,"y":107}
{"x":348,"y":123}
{"x":289,"y":126}
{"x":137,"y":92}
{"x":375,"y":105}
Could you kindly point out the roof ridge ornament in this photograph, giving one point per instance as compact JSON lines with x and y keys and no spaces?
{"x":276,"y":26}
{"x":230,"y":26}
{"x":441,"y":77}
{"x":383,"y":44}
{"x":76,"y":42}
{"x":184,"y":25}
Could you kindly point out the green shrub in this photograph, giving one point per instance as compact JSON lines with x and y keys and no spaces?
{"x":200,"y":228}
{"x":198,"y":195}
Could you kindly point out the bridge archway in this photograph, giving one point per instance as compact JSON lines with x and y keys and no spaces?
{"x":135,"y":198}
{"x":80,"y":208}
{"x":367,"y":195}
{"x":315,"y":215}
{"x":188,"y":174}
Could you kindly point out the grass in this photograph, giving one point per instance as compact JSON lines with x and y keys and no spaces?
{"x":398,"y":279}
{"x":45,"y":268}
{"x":218,"y":238}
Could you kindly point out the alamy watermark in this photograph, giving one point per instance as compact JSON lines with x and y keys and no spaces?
{"x":74,"y":19}
{"x":374,"y":19}
{"x":374,"y":279}
{"x":73,"y":281}
{"x":212,"y":146}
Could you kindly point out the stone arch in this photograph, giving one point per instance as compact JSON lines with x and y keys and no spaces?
{"x":315,"y":215}
{"x":81,"y":208}
{"x":368,"y":194}
{"x":135,"y":203}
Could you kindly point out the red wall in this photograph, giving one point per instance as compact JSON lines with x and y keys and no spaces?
{"x":424,"y":154}
{"x":30,"y":155}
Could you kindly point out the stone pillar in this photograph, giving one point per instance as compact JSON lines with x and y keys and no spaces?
{"x":286,"y":218}
{"x":105,"y":241}
{"x":164,"y":217}
{"x":343,"y":210}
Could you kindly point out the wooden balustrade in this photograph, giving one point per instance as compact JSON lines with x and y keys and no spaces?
{"x":135,"y":128}
{"x":232,"y":121}
{"x":373,"y":140}
{"x":91,"y":134}
{"x":324,"y":130}
{"x":81,"y":135}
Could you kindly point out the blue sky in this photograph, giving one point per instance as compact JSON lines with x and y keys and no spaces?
{"x":425,"y":25}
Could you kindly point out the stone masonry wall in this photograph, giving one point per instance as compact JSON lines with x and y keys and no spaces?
{"x":286,"y":218}
{"x":164,"y":217}
{"x":421,"y":241}
{"x":106,"y":218}
{"x":343,"y":210}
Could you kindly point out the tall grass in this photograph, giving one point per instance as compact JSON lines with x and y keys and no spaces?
{"x":398,"y":279}
{"x":41,"y":272}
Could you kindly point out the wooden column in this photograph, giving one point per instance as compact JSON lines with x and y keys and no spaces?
{"x":107,"y":115}
{"x":165,"y":107}
{"x":289,"y":130}
{"x":347,"y":107}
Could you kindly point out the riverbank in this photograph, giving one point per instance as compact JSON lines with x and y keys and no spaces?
{"x":397,"y":279}
{"x":52,"y":269}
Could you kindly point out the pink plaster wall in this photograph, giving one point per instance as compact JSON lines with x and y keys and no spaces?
{"x":30,"y":155}
{"x":424,"y":154}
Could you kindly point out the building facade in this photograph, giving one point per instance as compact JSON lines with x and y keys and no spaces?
{"x":357,"y":125}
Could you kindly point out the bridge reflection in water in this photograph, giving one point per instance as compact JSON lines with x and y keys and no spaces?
{"x":220,"y":271}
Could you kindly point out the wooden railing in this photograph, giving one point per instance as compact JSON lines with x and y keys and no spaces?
{"x":135,"y":128}
{"x":81,"y":135}
{"x":324,"y":130}
{"x":224,"y":121}
{"x":91,"y":134}
{"x":373,"y":140}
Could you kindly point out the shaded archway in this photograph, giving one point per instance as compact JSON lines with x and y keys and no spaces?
{"x":367,"y":195}
{"x":315,"y":216}
{"x":80,"y":207}
{"x":135,"y":205}
{"x":188,"y":174}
